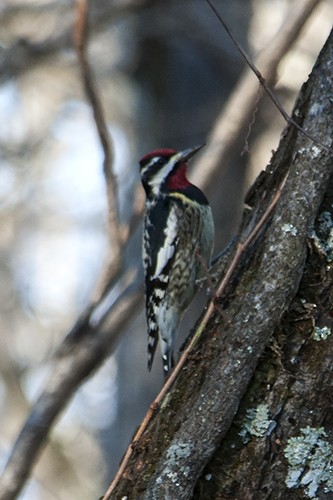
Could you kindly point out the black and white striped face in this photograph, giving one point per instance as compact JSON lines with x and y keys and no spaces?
{"x":159,"y":165}
{"x":155,"y":168}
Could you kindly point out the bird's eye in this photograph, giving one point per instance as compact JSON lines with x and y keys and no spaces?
{"x":160,"y":161}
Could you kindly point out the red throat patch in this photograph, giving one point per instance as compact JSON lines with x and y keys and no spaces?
{"x":178,"y":179}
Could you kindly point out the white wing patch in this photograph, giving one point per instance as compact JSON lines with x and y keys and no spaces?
{"x":167,"y":251}
{"x":159,"y":293}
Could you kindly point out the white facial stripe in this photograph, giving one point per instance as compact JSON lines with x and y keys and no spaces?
{"x":158,"y":177}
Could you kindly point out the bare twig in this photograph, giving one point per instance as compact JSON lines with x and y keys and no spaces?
{"x":238,"y":111}
{"x":80,"y":40}
{"x":274,"y":98}
{"x":252,"y":122}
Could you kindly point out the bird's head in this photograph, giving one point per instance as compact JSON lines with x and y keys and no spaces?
{"x":165,"y":170}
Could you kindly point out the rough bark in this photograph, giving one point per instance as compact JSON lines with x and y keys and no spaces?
{"x":291,"y":391}
{"x":281,"y":286}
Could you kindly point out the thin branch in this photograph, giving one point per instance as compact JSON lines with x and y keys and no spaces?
{"x":238,"y":110}
{"x":80,"y":41}
{"x":274,"y":98}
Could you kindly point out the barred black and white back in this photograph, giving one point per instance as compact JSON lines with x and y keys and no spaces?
{"x":178,"y":226}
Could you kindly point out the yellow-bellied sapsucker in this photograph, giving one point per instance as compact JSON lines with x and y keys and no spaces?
{"x":178,"y":237}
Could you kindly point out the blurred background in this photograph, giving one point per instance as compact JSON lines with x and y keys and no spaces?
{"x":164,"y":71}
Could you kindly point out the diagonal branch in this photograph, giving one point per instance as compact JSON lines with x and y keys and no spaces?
{"x":76,"y":361}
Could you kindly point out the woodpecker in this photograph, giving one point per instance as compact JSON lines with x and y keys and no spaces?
{"x":178,"y":237}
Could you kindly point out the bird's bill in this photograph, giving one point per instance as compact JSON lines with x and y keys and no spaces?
{"x":185,"y":155}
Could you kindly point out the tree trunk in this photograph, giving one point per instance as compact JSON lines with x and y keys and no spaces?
{"x":250,"y":414}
